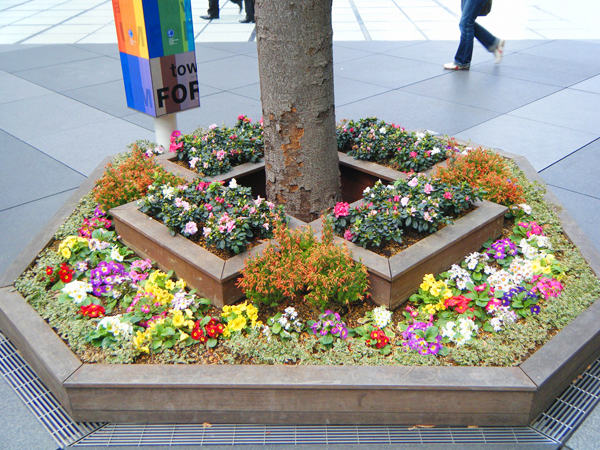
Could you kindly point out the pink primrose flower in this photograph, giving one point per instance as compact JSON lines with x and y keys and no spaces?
{"x":481,"y":287}
{"x":428,"y":189}
{"x":448,"y":195}
{"x":413,"y":154}
{"x":413,"y":182}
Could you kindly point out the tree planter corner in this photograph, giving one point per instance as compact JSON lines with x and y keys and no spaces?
{"x":213,"y":277}
{"x":394,"y":279}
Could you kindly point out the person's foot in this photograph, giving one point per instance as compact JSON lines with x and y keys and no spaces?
{"x":209,"y":17}
{"x":239,"y":3}
{"x":454,"y":66}
{"x":499,"y":51}
{"x":246,"y":20}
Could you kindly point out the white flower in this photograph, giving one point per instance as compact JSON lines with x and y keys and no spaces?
{"x":233,"y":184}
{"x":420,"y":135}
{"x":381,"y":316}
{"x":168,"y":192}
{"x":526,"y":208}
{"x":496,"y":323}
{"x":291,"y":312}
{"x":115,"y":327}
{"x":448,"y":330}
{"x":382,"y":130}
{"x":77,"y":290}
{"x":435,"y":151}
{"x":115,"y":255}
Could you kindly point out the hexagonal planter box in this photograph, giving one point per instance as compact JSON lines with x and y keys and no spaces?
{"x":485,"y":396}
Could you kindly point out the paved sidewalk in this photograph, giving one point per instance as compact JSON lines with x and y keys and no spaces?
{"x":62,"y":104}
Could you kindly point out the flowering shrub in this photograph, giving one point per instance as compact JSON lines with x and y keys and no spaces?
{"x":229,"y":217}
{"x":485,"y":170}
{"x":127,"y":180}
{"x":298,"y":265}
{"x":386,"y":211}
{"x":371,"y":139}
{"x":328,"y":328}
{"x":218,"y":149}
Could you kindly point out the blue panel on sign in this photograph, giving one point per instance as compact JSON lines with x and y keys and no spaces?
{"x":153,"y":29}
{"x":125,"y":63}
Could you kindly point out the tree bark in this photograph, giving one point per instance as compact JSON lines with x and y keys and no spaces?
{"x":295,"y":60}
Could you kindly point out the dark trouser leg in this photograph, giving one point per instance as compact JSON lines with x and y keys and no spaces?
{"x":213,"y":8}
{"x":249,"y":6}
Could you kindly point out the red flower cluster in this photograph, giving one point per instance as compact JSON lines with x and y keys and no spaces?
{"x":212,"y":329}
{"x":65,"y":273}
{"x":460,"y":303}
{"x":92,"y":310}
{"x":378,"y":338}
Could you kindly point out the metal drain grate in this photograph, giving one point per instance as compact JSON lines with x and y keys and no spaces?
{"x":572,"y":407}
{"x":38,"y":399}
{"x":230,"y":435}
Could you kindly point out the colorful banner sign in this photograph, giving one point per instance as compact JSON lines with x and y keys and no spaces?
{"x":156,"y":42}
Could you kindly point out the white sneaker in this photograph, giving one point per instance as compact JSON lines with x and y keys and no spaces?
{"x":454,"y":66}
{"x":499,"y":51}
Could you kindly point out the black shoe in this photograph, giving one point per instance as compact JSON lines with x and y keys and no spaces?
{"x":239,"y":3}
{"x":247,"y":20}
{"x":209,"y":17}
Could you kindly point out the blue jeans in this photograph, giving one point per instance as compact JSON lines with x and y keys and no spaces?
{"x":469,"y":29}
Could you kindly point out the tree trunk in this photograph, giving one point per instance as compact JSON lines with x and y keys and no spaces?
{"x":295,"y":60}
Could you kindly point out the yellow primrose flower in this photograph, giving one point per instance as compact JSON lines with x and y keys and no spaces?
{"x":237,"y":309}
{"x":178,"y":319}
{"x":189,"y":313}
{"x":183,"y":336}
{"x":226,"y":333}
{"x":180,"y":284}
{"x":170,"y":285}
{"x":441,"y":305}
{"x":430,"y":308}
{"x":252,"y":312}
{"x":138,"y":341}
{"x":237,"y":324}
{"x":226,"y":311}
{"x":436,"y":288}
{"x":190,"y":324}
{"x":428,"y":280}
{"x":447,"y":294}
{"x":65,"y":252}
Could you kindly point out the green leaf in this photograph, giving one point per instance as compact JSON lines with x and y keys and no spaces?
{"x":327,"y":339}
{"x":276,"y":328}
{"x":212,"y":342}
{"x":431,"y":334}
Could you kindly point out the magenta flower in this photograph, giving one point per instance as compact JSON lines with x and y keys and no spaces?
{"x":348,"y":235}
{"x":448,"y":195}
{"x":341,"y":209}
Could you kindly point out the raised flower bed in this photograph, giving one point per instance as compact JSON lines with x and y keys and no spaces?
{"x":302,"y":394}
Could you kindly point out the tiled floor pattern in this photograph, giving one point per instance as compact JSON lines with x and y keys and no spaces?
{"x":91,"y":21}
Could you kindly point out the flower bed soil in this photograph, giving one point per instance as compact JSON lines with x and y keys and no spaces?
{"x":484,"y":396}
